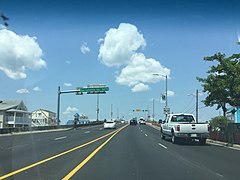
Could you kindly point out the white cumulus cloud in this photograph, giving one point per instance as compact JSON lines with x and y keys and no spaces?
{"x":38,"y":89}
{"x":140,"y":87}
{"x":70,"y":110}
{"x":67,"y":84}
{"x":22,"y":91}
{"x":120,"y":44}
{"x":84,"y":48}
{"x":141,"y":70}
{"x":170,"y":93}
{"x":17,"y":53}
{"x":120,"y":48}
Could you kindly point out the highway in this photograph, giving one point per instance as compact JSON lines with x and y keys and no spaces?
{"x":129,"y":152}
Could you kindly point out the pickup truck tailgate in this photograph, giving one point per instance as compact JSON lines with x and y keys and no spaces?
{"x":193,"y":128}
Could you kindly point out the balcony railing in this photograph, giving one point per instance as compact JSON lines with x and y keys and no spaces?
{"x":18,"y":120}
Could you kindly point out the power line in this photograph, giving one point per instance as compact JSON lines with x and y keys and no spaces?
{"x":192,"y":111}
{"x":202,"y":107}
{"x":192,"y":108}
{"x":188,"y":104}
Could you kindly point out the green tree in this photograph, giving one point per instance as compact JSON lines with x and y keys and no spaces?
{"x":218,"y":121}
{"x":222,"y":84}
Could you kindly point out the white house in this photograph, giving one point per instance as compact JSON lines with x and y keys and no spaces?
{"x":42,"y":117}
{"x":13,"y":113}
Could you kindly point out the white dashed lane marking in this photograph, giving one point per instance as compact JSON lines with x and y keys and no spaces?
{"x":59,"y":138}
{"x":162,"y":145}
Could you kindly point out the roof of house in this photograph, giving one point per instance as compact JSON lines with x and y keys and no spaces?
{"x":9,"y":104}
{"x":18,"y":111}
{"x":43,"y":110}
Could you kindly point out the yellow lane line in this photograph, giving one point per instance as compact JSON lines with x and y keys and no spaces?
{"x":55,"y":156}
{"x":77,"y":168}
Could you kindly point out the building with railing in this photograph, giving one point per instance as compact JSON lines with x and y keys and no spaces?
{"x":13,"y":113}
{"x":233,"y":114}
{"x":42,"y":117}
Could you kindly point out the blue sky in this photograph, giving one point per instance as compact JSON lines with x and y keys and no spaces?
{"x":122,"y":44}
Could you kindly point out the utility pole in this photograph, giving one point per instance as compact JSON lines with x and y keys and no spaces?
{"x":153,"y":109}
{"x":111,"y":111}
{"x":197,"y":106}
{"x":117,"y":113}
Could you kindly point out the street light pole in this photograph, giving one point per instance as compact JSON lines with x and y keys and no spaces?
{"x":166,"y":109}
{"x":166,"y":92}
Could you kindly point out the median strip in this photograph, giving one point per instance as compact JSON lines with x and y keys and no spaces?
{"x":55,"y":156}
{"x":76,"y":169}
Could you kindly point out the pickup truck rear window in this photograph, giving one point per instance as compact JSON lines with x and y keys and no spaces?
{"x":182,"y":118}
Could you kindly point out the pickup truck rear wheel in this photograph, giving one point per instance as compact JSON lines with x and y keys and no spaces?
{"x":161,"y":135}
{"x":202,"y":141}
{"x":174,"y":139}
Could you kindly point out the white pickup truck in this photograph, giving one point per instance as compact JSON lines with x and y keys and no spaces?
{"x":184,"y":126}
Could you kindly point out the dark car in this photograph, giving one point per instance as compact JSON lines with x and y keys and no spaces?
{"x":133,"y":122}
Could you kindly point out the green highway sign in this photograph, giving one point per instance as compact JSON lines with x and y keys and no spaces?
{"x":95,"y":89}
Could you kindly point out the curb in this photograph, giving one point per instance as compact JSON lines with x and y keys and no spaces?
{"x":155,"y":127}
{"x":224,"y":144}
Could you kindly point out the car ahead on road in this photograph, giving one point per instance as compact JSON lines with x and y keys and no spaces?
{"x":133,"y":122}
{"x":184,"y":127}
{"x":142,"y":121}
{"x":109,"y":125}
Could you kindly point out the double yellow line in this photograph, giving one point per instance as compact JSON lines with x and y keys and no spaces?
{"x":76,"y":169}
{"x":66,"y":152}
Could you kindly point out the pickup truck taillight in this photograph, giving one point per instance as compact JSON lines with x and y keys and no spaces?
{"x":209,"y":128}
{"x":178,"y":128}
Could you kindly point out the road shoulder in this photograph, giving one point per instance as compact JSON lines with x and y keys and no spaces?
{"x":209,"y":141}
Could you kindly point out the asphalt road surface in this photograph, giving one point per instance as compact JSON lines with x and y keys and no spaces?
{"x":129,"y":152}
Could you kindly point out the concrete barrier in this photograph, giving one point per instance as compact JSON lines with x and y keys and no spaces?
{"x":41,"y":128}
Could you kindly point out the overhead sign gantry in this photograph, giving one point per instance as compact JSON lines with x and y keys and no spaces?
{"x":90,"y":89}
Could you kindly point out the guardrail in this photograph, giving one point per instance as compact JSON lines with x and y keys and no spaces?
{"x":41,"y":128}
